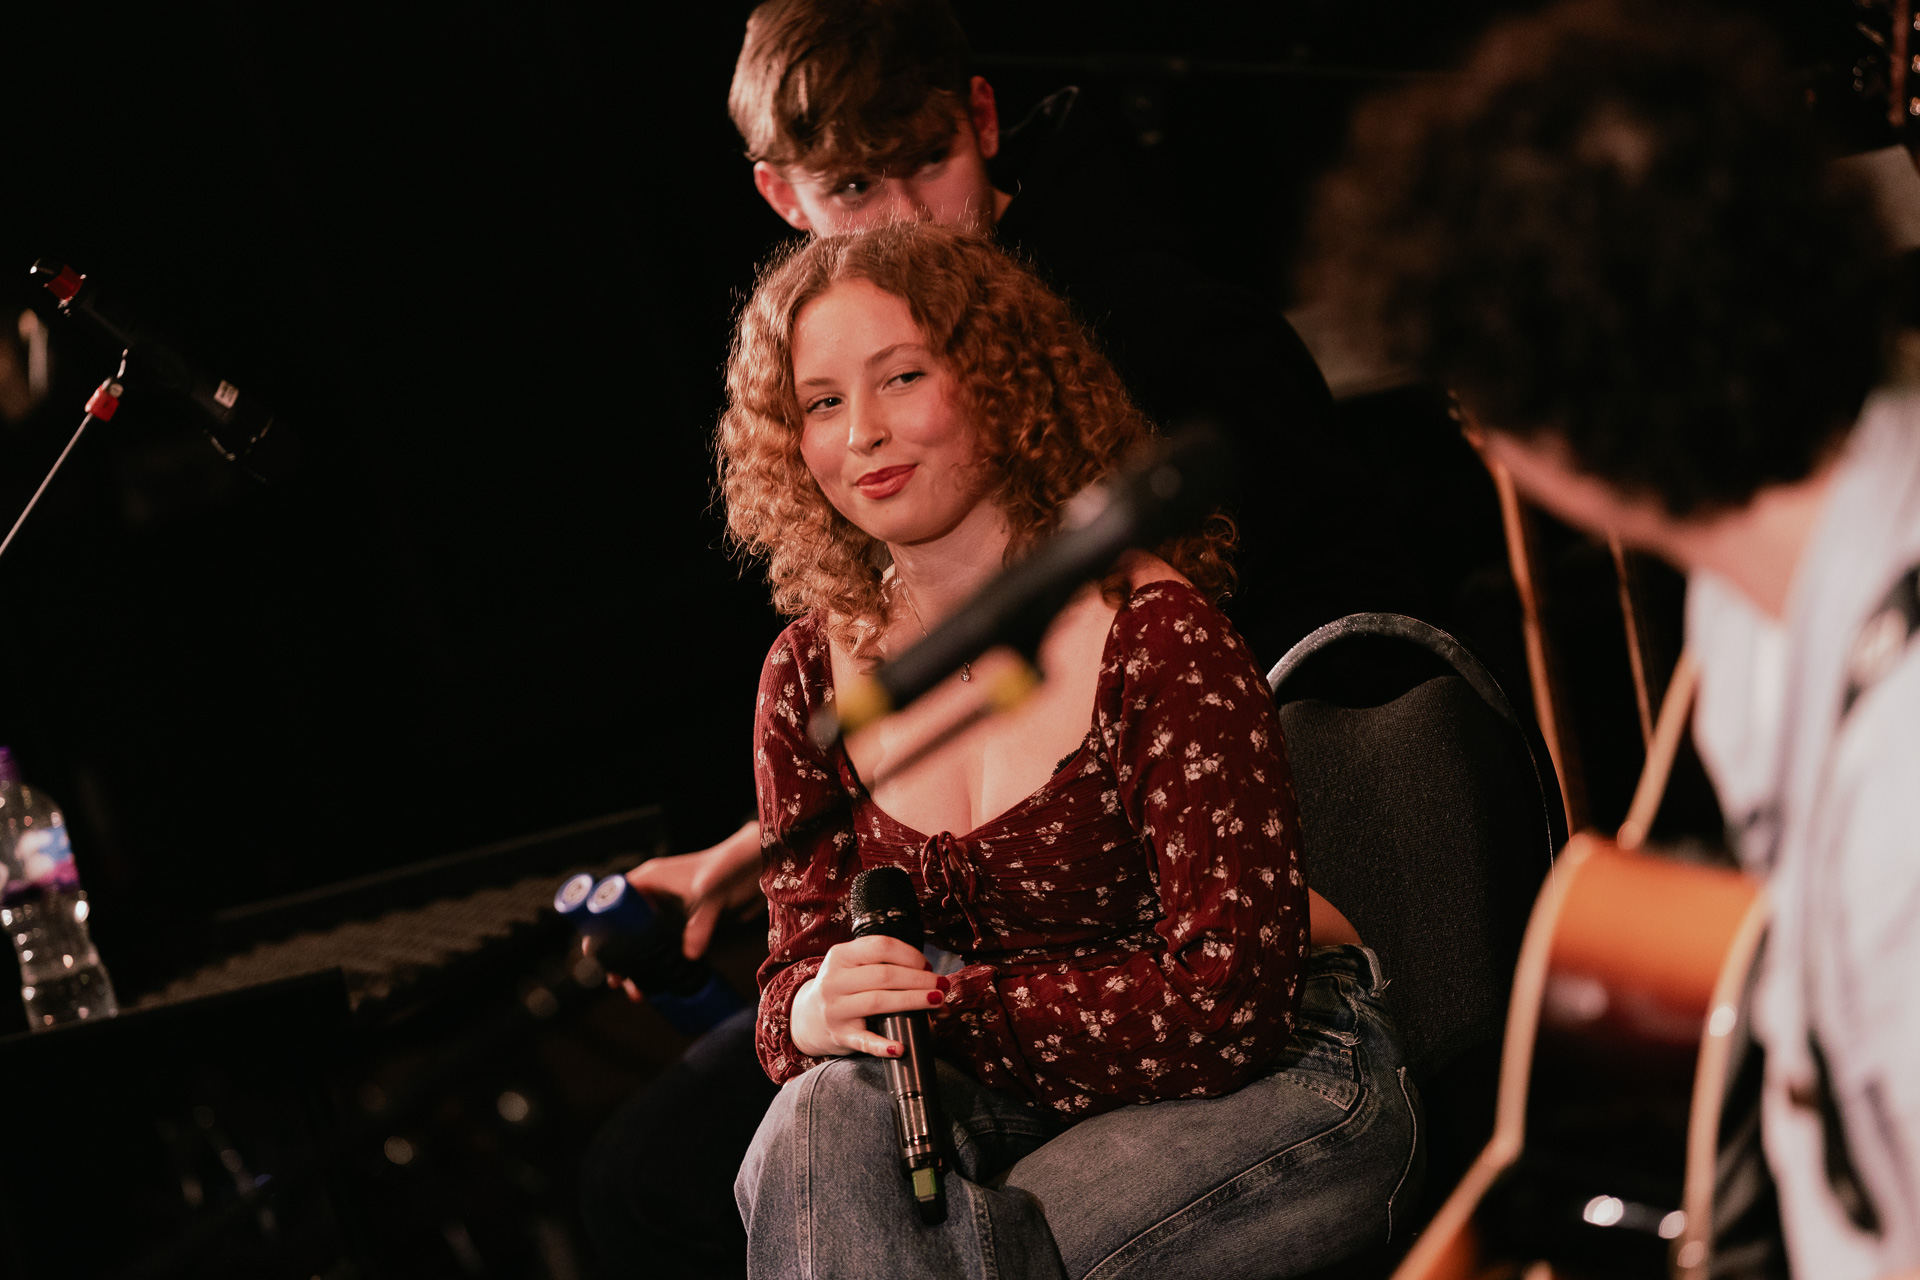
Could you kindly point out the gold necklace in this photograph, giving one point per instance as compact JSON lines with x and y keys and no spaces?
{"x":966,"y":668}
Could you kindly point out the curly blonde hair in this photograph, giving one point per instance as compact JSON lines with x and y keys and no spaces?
{"x":1051,"y":413}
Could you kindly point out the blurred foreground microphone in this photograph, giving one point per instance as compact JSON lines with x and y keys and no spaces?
{"x":636,"y":943}
{"x":881,"y":901}
{"x":240,"y":426}
{"x":1172,"y":488}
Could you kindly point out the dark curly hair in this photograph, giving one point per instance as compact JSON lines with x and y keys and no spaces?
{"x":1618,"y":225}
{"x":1052,"y":414}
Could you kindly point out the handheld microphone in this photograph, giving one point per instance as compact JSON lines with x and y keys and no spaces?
{"x":882,"y":901}
{"x":1176,"y":485}
{"x":241,"y":427}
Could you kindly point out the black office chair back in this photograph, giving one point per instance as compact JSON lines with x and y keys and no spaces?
{"x":1429,"y":817}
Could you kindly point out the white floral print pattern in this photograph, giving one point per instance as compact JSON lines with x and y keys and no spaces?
{"x":1132,"y":931}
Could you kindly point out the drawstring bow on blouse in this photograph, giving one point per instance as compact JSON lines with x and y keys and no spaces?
{"x":950,"y":877}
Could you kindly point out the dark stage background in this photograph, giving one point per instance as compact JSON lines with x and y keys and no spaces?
{"x":485,"y":260}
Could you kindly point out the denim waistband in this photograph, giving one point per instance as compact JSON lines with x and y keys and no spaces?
{"x":1358,"y":963}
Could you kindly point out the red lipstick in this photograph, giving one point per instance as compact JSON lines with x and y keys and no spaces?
{"x":886,"y":481}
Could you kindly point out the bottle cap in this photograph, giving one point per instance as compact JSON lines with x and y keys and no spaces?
{"x":572,"y":896}
{"x":615,"y":904}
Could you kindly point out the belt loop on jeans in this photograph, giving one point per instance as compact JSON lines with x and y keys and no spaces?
{"x":1379,"y":974}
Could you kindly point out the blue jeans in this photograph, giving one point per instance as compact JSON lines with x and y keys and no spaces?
{"x":1301,"y":1167}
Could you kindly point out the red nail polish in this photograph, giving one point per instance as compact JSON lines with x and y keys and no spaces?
{"x":934,"y":997}
{"x":944,"y":982}
{"x":893,"y":1051}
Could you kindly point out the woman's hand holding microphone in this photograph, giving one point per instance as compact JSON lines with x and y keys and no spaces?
{"x":857,"y":980}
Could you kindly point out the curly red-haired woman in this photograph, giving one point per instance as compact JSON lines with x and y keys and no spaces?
{"x":1114,"y":862}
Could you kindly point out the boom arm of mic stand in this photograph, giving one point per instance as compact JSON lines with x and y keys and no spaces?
{"x":1005,"y":692}
{"x":100,"y":407}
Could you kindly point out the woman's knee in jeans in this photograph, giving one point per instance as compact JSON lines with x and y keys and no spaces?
{"x":837,"y":1110}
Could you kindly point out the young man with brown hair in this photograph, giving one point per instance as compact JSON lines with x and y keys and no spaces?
{"x":855,"y":114}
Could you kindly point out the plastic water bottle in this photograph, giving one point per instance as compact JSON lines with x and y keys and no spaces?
{"x":637,"y":944}
{"x":44,"y":909}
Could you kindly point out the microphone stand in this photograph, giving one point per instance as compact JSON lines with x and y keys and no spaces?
{"x":101,"y":406}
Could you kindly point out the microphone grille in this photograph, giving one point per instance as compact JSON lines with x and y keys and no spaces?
{"x":882,"y":901}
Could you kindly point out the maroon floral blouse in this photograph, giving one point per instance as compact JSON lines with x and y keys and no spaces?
{"x":1132,"y":931}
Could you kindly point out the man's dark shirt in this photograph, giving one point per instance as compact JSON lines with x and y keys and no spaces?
{"x":1190,"y":345}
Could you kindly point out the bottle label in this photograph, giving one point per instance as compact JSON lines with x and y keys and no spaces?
{"x":42,"y":860}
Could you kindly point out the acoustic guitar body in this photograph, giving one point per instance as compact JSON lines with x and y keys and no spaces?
{"x":1618,"y":1036}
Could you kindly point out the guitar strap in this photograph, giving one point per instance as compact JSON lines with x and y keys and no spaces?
{"x":1883,"y":640}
